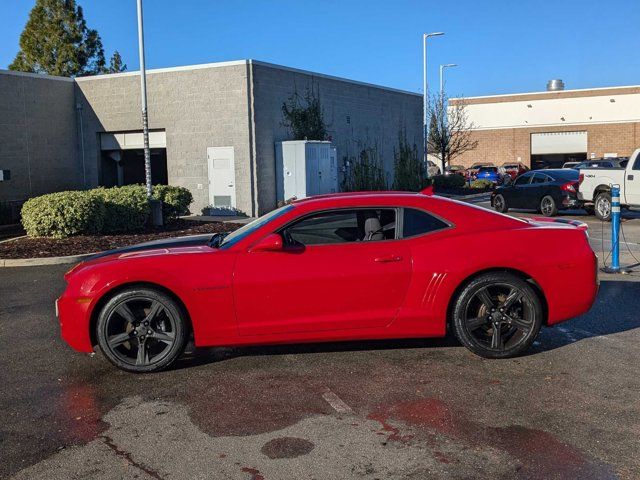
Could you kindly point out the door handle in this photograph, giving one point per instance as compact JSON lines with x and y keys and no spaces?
{"x":387,"y":259}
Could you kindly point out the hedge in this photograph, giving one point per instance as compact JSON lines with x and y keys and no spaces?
{"x":481,"y":184}
{"x":448,"y":181}
{"x":175,"y":201}
{"x":126,"y":208}
{"x":63,"y":214}
{"x":101,"y":210}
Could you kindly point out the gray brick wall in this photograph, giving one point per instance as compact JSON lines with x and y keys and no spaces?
{"x":37,"y":135}
{"x":198,"y":108}
{"x":376,"y":115}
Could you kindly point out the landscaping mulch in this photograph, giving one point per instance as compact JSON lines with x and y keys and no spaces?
{"x":51,"y":247}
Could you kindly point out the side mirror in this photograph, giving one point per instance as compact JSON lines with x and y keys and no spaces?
{"x":270,"y":243}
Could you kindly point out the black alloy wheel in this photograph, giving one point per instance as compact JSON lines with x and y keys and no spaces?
{"x":500,"y":203}
{"x":141,"y":330}
{"x":548,"y":206}
{"x":497,"y":315}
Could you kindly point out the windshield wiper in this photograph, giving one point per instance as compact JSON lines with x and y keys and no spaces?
{"x":216,"y":240}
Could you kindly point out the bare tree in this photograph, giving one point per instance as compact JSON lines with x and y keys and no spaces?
{"x":449,"y":130}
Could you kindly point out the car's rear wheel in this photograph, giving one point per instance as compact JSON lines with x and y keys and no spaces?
{"x":500,"y":203}
{"x":141,"y":330}
{"x":548,"y":206}
{"x":602,"y":206}
{"x":497,"y":315}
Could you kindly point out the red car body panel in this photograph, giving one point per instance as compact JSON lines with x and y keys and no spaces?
{"x":237,"y":296}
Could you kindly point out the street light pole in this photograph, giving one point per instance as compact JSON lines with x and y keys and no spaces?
{"x":143,"y":96}
{"x":155,"y":206}
{"x":425,"y":96}
{"x":442,"y":67}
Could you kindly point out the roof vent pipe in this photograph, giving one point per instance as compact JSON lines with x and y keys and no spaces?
{"x":555,"y":85}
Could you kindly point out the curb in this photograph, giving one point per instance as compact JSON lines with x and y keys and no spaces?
{"x":37,"y":262}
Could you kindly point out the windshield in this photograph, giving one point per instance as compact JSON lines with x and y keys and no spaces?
{"x":235,"y":237}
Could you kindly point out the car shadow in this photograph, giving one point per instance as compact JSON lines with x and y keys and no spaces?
{"x":614,"y":311}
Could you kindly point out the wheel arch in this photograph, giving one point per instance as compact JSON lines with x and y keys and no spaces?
{"x":106,"y":296}
{"x":519,"y":273}
{"x":600,"y":189}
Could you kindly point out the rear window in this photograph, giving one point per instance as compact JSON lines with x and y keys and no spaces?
{"x":488,"y":169}
{"x":418,"y":222}
{"x":510,"y":166}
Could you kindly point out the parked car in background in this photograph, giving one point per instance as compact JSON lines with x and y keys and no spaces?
{"x":595,"y":185}
{"x":515,"y":169}
{"x":497,"y":175}
{"x":570,"y":164}
{"x":545,"y":191}
{"x":618,"y":162}
{"x":455,"y":170}
{"x":432,"y":169}
{"x":339,"y":267}
{"x":473,"y":169}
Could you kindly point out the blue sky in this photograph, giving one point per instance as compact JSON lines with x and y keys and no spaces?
{"x":501,"y":46}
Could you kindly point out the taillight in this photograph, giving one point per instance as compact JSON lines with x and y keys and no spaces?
{"x":569,"y":187}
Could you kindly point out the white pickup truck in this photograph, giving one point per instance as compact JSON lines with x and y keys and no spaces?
{"x":594,"y":187}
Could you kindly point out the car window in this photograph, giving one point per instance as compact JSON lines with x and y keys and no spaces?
{"x":249,"y":228}
{"x":523,"y":179}
{"x":539,"y":178}
{"x":342,"y":226}
{"x":417,"y":222}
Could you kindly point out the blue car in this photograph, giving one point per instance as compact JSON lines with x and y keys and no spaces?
{"x":493,"y":174}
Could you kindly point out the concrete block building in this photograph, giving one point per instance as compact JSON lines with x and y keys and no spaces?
{"x":213,"y":129}
{"x":549,"y":128}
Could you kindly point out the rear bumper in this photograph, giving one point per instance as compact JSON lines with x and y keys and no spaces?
{"x":569,"y":201}
{"x":574,"y":291}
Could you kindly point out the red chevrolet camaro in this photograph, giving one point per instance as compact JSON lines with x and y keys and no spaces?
{"x":329,"y":268}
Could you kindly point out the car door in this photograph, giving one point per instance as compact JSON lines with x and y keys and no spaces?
{"x":536,"y":190}
{"x":338,"y":269}
{"x":518,"y":191}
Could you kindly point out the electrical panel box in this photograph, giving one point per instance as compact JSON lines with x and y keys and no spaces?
{"x":305,"y":168}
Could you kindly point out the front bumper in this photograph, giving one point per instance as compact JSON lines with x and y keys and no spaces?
{"x":74,"y":318}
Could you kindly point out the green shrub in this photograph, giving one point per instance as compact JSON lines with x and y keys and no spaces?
{"x":480,"y":184}
{"x":63,"y":214}
{"x":175,"y":201}
{"x":448,"y":181}
{"x":127,"y":208}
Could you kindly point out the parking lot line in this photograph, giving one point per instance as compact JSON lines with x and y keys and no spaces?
{"x":336,"y":402}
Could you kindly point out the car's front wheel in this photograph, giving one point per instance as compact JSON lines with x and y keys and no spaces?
{"x":141,"y":330}
{"x":500,"y":203}
{"x":497,"y":315}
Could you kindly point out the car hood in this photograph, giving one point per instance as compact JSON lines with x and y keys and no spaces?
{"x":162,"y":244}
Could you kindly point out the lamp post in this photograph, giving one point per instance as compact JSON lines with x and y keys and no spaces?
{"x":442,"y":67}
{"x":155,"y":206}
{"x":425,"y":95}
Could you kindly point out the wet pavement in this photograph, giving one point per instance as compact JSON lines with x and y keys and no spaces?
{"x":569,"y":409}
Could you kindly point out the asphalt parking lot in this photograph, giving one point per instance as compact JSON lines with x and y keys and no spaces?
{"x":569,"y":409}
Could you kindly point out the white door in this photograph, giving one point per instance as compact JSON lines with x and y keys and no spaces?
{"x":222,"y":177}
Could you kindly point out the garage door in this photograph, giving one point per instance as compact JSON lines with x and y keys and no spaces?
{"x":558,"y":142}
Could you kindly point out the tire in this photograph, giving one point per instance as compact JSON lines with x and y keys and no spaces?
{"x":500,"y":203}
{"x":548,"y":206}
{"x":489,"y":333}
{"x":589,"y":209}
{"x":141,"y":317}
{"x":602,"y":206}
